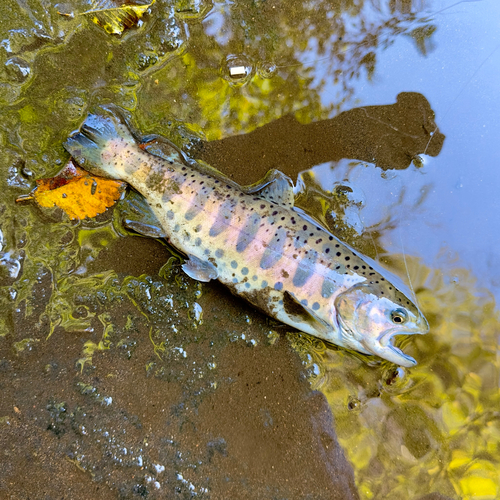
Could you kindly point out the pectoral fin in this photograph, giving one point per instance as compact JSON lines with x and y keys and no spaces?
{"x":200,"y":270}
{"x":301,"y":314}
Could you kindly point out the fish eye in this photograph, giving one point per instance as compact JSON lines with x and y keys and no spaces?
{"x":399,"y":316}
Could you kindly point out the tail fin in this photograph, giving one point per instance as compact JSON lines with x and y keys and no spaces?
{"x":102,"y":130}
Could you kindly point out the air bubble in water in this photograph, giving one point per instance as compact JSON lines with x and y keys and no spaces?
{"x":236,"y":69}
{"x":267,"y":70}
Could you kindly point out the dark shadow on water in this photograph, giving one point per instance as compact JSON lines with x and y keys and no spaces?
{"x":391,"y":136}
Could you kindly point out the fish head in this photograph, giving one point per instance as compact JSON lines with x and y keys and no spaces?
{"x":369,"y":318}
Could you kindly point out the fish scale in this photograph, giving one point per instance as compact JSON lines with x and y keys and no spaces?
{"x":233,"y":239}
{"x":254,"y":241}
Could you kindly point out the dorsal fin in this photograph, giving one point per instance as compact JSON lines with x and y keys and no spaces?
{"x":275,"y":187}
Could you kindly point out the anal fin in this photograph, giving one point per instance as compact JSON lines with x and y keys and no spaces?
{"x":141,"y":227}
{"x":136,"y":214}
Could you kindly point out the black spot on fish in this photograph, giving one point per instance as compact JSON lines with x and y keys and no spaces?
{"x":219,"y":253}
{"x":244,"y":271}
{"x":279,"y":286}
{"x":234,"y":264}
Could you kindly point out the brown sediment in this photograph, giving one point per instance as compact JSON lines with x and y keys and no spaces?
{"x":262,"y":429}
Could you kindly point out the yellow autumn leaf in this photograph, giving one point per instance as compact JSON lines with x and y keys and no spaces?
{"x":76,"y":192}
{"x":115,"y":18}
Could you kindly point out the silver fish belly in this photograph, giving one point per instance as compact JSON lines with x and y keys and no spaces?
{"x":254,"y":241}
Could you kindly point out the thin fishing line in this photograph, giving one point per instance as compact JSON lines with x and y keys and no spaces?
{"x":406,"y":266}
{"x":464,"y":86}
{"x":412,"y":22}
{"x":374,"y":246}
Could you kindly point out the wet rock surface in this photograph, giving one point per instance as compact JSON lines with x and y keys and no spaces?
{"x":118,"y":430}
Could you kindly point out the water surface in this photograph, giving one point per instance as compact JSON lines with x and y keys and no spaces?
{"x":122,"y":377}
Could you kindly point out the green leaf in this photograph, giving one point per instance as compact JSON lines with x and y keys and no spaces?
{"x":115,"y":18}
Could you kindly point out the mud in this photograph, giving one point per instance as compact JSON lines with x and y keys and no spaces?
{"x":262,"y":433}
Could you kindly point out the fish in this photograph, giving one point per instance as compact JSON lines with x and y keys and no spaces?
{"x":253,"y":240}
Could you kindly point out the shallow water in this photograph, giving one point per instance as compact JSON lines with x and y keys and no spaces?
{"x":123,"y":378}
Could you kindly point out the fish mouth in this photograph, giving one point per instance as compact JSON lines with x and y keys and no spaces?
{"x":390,"y":352}
{"x":385,"y":348}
